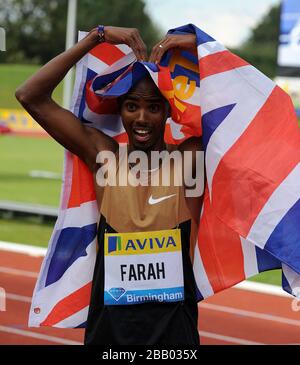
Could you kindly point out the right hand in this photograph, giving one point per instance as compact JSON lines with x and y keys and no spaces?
{"x":129,"y":36}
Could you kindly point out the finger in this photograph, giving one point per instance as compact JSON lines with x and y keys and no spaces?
{"x":140,"y":47}
{"x":155,"y":51}
{"x":137,"y":45}
{"x":162,"y":49}
{"x":152,"y":57}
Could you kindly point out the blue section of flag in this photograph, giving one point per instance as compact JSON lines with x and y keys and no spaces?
{"x":190,"y":56}
{"x":211,"y":121}
{"x":266,"y":261}
{"x":82,"y":325}
{"x":284,"y":241}
{"x":112,"y":243}
{"x":125,"y":82}
{"x":71,"y":244}
{"x":202,"y":37}
{"x":101,"y":81}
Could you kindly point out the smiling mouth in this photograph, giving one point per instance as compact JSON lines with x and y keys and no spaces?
{"x":142,"y":134}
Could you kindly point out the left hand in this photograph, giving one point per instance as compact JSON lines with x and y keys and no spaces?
{"x":172,"y":41}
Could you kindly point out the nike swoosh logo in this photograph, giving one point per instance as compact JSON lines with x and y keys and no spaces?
{"x":152,"y":200}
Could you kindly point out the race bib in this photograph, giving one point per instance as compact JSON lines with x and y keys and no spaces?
{"x":143,"y":267}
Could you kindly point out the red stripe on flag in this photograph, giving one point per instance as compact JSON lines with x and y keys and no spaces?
{"x":221,"y":251}
{"x":219,"y":62}
{"x":257,"y":163}
{"x":107,"y":53}
{"x":121,"y":138}
{"x":68,"y":306}
{"x":82,"y":189}
{"x":100,"y":105}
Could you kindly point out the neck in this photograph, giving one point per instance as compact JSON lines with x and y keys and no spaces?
{"x":160,"y":146}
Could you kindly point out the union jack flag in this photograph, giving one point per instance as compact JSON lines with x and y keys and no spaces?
{"x":251,"y":212}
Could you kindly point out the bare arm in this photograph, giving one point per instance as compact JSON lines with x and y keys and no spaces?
{"x":35,"y":96}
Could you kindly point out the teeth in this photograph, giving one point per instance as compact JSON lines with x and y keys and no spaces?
{"x":141,"y":131}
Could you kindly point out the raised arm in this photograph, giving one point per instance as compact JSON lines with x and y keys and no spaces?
{"x":36,"y":95}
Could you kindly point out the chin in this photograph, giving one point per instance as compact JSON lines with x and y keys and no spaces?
{"x":142,"y":146}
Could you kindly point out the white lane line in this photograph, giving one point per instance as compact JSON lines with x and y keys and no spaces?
{"x":239,"y":341}
{"x":22,"y":248}
{"x":250,"y":314}
{"x":28,"y":274}
{"x":263,"y":288}
{"x":39,"y":336}
{"x":18,"y":298}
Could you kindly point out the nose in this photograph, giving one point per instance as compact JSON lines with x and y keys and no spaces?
{"x":141,"y":117}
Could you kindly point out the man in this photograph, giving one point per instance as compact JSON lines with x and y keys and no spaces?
{"x":157,"y":222}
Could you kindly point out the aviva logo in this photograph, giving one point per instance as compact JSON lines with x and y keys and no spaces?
{"x":114,"y":243}
{"x":136,"y":243}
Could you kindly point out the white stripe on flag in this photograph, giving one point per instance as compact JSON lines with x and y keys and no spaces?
{"x":280,"y":202}
{"x":209,"y":48}
{"x":175,"y":129}
{"x":232,"y":87}
{"x":102,"y":68}
{"x":84,"y":215}
{"x":201,"y":278}
{"x":47,"y":297}
{"x":124,"y":48}
{"x":250,"y":258}
{"x":95,"y":64}
{"x":110,"y":124}
{"x":293,"y":279}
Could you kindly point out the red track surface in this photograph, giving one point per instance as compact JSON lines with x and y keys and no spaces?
{"x":234,"y":316}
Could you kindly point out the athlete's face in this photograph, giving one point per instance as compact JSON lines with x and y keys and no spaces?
{"x":144,"y":112}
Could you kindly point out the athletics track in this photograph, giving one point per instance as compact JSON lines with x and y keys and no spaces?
{"x":248,"y":314}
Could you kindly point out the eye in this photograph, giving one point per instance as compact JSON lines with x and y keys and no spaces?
{"x":131,"y":107}
{"x":154,"y":108}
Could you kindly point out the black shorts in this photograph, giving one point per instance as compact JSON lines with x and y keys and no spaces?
{"x":144,"y":324}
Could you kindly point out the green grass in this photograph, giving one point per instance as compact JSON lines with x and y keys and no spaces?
{"x":268,"y":277}
{"x":11,"y":77}
{"x":20,"y":155}
{"x":26,"y":231}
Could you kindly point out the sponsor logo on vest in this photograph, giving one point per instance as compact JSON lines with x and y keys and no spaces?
{"x":115,"y":243}
{"x":116,"y":293}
